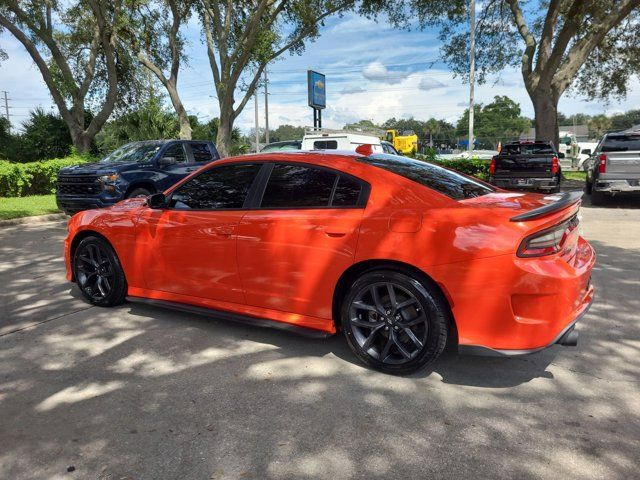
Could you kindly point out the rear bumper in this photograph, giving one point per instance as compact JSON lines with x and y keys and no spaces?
{"x":514,"y":183}
{"x":615,"y":186}
{"x":507,"y":305}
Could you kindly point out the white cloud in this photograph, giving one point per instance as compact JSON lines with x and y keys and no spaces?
{"x":352,"y":89}
{"x":428,"y":83}
{"x":377,"y":72}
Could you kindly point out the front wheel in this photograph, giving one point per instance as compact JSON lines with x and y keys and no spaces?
{"x":394,"y":323}
{"x":98,"y":272}
{"x":139,"y":192}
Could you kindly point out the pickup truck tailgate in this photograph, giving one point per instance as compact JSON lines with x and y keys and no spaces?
{"x":510,"y":164}
{"x":623,"y":162}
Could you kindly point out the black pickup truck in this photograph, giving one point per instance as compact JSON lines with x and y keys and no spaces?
{"x":530,"y":165}
{"x":137,"y":169}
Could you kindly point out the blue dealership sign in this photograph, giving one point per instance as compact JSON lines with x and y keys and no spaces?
{"x":317,"y":89}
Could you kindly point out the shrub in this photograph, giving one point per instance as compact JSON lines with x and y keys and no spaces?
{"x":474,"y":167}
{"x":34,"y":178}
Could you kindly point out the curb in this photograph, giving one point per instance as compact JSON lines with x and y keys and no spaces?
{"x":35,"y":219}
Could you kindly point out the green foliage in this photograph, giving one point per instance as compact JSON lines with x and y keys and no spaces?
{"x":45,"y":135}
{"x":622,"y":121}
{"x":498,"y":121}
{"x":474,"y":167}
{"x":286,"y":132}
{"x":34,"y":178}
{"x":599,"y":125}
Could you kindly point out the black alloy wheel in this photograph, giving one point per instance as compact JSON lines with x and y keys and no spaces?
{"x":98,"y":272}
{"x":139,"y":193}
{"x":393,"y":322}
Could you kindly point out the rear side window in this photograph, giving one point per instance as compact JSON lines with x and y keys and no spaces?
{"x":220,"y":188}
{"x":298,"y":186}
{"x":325,"y":145}
{"x":201,"y":152}
{"x":528,"y":149}
{"x":347,"y":192}
{"x":621,"y":143}
{"x":447,"y":182}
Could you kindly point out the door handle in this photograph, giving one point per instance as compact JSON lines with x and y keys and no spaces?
{"x":334,"y":233}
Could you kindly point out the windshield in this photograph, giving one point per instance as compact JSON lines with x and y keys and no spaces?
{"x":133,"y":152}
{"x":447,"y":182}
{"x":621,"y":143}
{"x":281,"y":147}
{"x":527,"y":149}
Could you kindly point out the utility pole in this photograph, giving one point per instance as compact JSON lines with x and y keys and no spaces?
{"x":255,"y":96}
{"x":472,"y":68}
{"x":266,"y":107}
{"x":6,"y":107}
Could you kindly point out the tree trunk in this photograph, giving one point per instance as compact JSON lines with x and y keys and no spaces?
{"x":545,"y":106}
{"x":81,"y":141}
{"x":223,"y":139}
{"x":183,"y":118}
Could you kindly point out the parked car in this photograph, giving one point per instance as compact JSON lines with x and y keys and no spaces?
{"x":324,"y":139}
{"x":586,"y":151}
{"x":526,"y":164}
{"x":283,"y":146}
{"x":614,"y":167}
{"x":392,"y":251}
{"x":137,"y":169}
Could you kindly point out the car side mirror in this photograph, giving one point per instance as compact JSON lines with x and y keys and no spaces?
{"x":157,"y":200}
{"x":166,"y":161}
{"x":561,"y":155}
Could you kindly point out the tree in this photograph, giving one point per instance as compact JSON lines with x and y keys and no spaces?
{"x":6,"y":139}
{"x":496,"y":122}
{"x":243,"y":37}
{"x":589,"y":44}
{"x":286,"y":132}
{"x":154,"y":34}
{"x":622,"y":121}
{"x":599,"y":125}
{"x":74,"y":45}
{"x":45,"y":135}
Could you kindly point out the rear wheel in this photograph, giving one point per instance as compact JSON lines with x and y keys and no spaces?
{"x":138,"y":192}
{"x":588,"y":187}
{"x":98,"y":272}
{"x":394,"y":323}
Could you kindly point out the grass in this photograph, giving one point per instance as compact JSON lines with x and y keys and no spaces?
{"x":16,"y":207}
{"x":575,"y":175}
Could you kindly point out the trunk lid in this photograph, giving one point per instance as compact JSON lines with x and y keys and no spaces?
{"x":623,"y":153}
{"x":523,"y":207}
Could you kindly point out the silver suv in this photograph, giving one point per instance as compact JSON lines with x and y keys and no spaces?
{"x":614,"y":166}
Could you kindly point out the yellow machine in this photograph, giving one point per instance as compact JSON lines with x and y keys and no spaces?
{"x":405,"y":143}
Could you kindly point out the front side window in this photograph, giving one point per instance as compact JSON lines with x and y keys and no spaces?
{"x":447,"y":182}
{"x":224,"y":187}
{"x":201,"y":152}
{"x":298,"y":186}
{"x":176,"y":151}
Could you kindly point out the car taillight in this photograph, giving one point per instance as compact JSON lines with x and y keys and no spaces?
{"x":602,"y":166}
{"x":555,"y":166}
{"x":492,"y":166}
{"x":549,"y":241}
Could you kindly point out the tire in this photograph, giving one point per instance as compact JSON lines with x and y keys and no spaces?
{"x":98,"y":273}
{"x":588,"y":187}
{"x":138,"y":192}
{"x":396,"y":343}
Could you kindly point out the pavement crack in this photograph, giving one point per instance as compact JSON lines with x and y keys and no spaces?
{"x":32,"y":325}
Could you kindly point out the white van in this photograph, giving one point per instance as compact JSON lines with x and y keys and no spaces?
{"x":323,"y":139}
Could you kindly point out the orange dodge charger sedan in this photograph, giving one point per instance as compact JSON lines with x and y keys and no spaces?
{"x":403,"y":256}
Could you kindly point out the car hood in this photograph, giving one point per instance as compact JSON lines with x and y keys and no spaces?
{"x":93,"y":168}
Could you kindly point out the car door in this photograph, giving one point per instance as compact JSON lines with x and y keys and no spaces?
{"x":301,"y":237}
{"x":174,"y":164}
{"x":189,"y":247}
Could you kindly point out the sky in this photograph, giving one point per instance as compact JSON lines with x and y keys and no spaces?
{"x":373,"y":72}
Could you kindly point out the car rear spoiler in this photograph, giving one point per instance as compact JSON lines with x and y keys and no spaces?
{"x":566,"y":200}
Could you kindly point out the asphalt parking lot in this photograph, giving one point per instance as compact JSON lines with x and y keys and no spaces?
{"x":139,"y":392}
